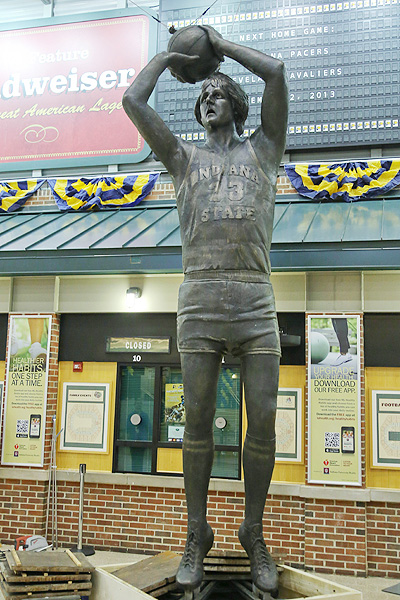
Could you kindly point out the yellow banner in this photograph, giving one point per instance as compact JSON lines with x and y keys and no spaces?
{"x":26,"y":391}
{"x":334,"y":400}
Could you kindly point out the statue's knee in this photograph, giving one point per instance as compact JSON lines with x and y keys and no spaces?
{"x":199,"y":428}
{"x":199,"y":419}
{"x":262,"y":426}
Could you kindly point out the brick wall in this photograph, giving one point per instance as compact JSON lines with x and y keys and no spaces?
{"x":22,"y":508}
{"x":284,"y":186}
{"x":383,"y":539}
{"x":43,"y":197}
{"x":146,"y":519}
{"x":335,"y":534}
{"x":322,"y":535}
{"x":284,"y":519}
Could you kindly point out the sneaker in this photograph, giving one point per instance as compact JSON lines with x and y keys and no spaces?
{"x":37,"y":351}
{"x":263,"y":569}
{"x":198,"y":543}
{"x":342,"y":358}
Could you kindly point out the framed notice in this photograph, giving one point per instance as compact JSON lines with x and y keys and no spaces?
{"x":288,"y":425}
{"x":26,"y":390}
{"x":386,"y":428}
{"x":334,"y":404}
{"x":175,"y":433}
{"x":85,"y":417}
{"x":61,"y":88}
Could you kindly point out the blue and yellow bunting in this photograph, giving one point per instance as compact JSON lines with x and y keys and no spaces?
{"x":87,"y":194}
{"x":349,"y":181}
{"x":14,"y":194}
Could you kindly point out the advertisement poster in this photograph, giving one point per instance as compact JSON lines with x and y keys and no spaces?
{"x":386,"y":428}
{"x":61,"y":89}
{"x":174,"y":403}
{"x":85,"y":417}
{"x":288,"y":425}
{"x":334,"y":399}
{"x":26,"y":391}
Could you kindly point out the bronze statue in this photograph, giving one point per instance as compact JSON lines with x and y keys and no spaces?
{"x":225,"y":193}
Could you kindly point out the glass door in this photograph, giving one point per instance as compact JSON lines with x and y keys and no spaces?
{"x":134,"y":420}
{"x":150,"y":421}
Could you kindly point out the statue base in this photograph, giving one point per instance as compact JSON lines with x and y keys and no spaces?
{"x":226,"y":577}
{"x":231,"y":589}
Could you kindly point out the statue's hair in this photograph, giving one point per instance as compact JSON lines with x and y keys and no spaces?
{"x":237,"y":96}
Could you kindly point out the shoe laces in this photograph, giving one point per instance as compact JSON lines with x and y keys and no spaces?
{"x":259,"y":550}
{"x":189,"y":555}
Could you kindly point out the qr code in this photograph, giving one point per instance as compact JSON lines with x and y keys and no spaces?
{"x":332,"y":441}
{"x":22,"y":427}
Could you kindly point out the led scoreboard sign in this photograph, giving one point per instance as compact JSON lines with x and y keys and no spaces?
{"x":342,"y":60}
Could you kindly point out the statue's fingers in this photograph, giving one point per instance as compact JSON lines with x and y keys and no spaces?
{"x":185,"y":57}
{"x":214,"y":38}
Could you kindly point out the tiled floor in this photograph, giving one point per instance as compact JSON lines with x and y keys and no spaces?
{"x":371,"y":587}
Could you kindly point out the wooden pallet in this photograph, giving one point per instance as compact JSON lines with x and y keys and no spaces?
{"x":68,"y":586}
{"x":154,"y":575}
{"x":49,"y":561}
{"x":220,"y":564}
{"x":10,"y":577}
{"x":39,"y":595}
{"x":51,"y":573}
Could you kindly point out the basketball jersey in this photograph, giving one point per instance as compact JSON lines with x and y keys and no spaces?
{"x":226,"y":210}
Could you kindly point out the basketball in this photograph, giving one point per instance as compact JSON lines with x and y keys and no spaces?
{"x":193,"y":40}
{"x":319,"y":347}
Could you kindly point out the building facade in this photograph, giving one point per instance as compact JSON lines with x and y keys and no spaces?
{"x":329,"y":259}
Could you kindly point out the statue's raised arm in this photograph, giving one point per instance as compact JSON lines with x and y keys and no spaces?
{"x":135,"y":102}
{"x":274,"y":107}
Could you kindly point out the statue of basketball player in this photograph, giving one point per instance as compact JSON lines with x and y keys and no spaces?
{"x":225,"y":192}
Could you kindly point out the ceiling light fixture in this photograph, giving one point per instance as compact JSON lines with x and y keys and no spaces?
{"x":132,"y":295}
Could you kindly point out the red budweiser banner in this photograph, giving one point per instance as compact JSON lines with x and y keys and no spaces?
{"x":61,"y":88}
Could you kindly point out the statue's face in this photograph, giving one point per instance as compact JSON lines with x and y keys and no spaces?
{"x":215,"y":107}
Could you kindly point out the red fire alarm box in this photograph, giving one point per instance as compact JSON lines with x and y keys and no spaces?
{"x":77,"y":367}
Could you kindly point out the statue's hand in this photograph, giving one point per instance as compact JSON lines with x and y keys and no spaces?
{"x":216,"y":40}
{"x":178,"y":63}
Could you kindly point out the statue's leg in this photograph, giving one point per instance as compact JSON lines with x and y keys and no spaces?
{"x":200,"y":378}
{"x":260,"y":375}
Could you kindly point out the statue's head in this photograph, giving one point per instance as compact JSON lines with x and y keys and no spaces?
{"x":237,"y":97}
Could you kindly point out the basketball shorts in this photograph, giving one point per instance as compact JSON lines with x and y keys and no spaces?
{"x":227,"y":317}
